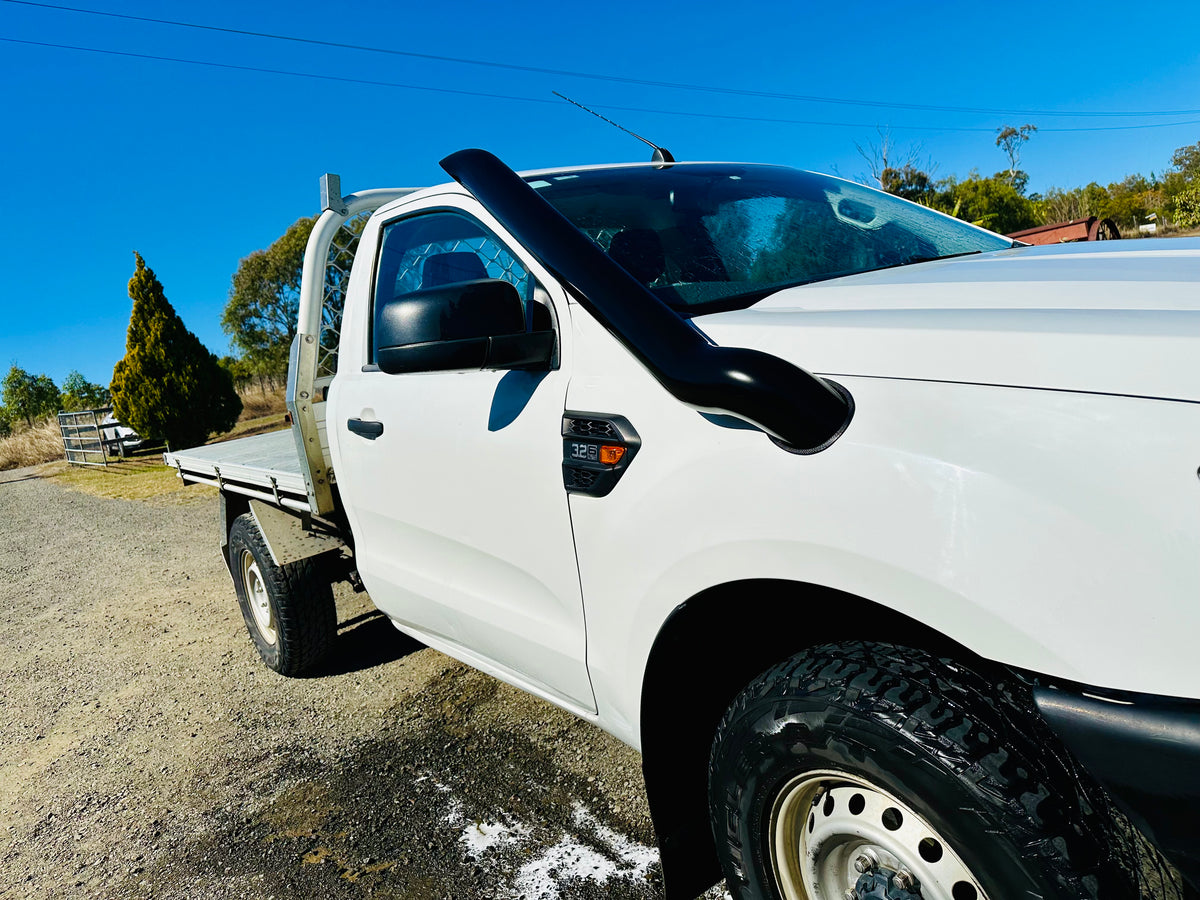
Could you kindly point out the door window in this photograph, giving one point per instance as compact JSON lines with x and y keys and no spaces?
{"x":440,"y":248}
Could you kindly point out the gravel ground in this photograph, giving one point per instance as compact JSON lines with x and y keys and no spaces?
{"x":148,"y":753}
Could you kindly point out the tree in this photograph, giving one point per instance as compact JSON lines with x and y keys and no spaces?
{"x":1186,"y":161}
{"x":885,"y":157}
{"x":239,"y":370}
{"x":260,"y":315}
{"x":1187,"y":208}
{"x":29,"y":397}
{"x":79,"y":393}
{"x":168,"y":385}
{"x":908,"y":182}
{"x":1018,"y":179}
{"x":5,"y":423}
{"x":1131,"y":200}
{"x":991,"y":202}
{"x":1180,"y":185}
{"x":1010,"y":139}
{"x":1078,"y":203}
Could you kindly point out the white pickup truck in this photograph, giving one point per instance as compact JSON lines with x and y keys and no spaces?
{"x":876,"y":533}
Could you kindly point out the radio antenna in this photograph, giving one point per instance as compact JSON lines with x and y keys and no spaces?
{"x":661,"y":154}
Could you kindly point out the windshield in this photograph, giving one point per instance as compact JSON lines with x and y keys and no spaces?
{"x":707,"y":237}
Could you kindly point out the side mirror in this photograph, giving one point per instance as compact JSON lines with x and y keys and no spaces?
{"x":466,"y":325}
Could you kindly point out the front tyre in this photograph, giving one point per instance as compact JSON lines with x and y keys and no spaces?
{"x":859,"y":770}
{"x":289,"y":610}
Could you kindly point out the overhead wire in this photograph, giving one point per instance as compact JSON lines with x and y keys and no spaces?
{"x":496,"y":96}
{"x":321,"y":77}
{"x":619,"y":79}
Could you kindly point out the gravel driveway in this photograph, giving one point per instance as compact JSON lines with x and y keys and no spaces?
{"x":148,"y":753}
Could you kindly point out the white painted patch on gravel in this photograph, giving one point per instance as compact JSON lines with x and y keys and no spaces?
{"x":480,"y":837}
{"x":636,"y":858}
{"x":453,"y":815}
{"x":594,"y":852}
{"x":570,"y":858}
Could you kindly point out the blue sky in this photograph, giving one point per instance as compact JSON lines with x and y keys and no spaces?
{"x":195,"y":166}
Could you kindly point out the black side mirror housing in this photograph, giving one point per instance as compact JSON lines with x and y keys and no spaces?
{"x":466,"y":325}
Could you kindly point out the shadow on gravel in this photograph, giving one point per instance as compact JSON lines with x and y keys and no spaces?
{"x":4,"y":480}
{"x":432,"y":807}
{"x":364,"y":642}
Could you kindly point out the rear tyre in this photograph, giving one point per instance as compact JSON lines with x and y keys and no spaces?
{"x":289,"y":610}
{"x":859,"y":770}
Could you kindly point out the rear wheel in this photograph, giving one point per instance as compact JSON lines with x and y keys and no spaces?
{"x":289,"y":610}
{"x":863,"y":771}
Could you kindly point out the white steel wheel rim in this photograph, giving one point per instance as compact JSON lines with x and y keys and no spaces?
{"x":823,"y":821}
{"x":256,"y":596}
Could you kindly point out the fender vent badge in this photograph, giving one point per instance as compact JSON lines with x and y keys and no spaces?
{"x":597,"y":449}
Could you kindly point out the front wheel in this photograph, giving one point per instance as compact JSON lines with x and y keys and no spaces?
{"x":861,"y":771}
{"x":289,"y":610}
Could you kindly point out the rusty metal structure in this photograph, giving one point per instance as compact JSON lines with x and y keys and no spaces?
{"x":1089,"y":229}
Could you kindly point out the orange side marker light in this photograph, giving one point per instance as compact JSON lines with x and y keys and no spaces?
{"x":610,"y":455}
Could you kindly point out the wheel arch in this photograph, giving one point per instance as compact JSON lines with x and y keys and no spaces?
{"x":774,"y":620}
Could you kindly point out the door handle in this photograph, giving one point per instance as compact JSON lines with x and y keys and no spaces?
{"x":368,"y":429}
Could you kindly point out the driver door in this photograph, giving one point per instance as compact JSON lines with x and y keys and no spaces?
{"x":460,"y":519}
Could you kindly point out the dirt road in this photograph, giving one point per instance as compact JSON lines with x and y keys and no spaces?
{"x":148,"y":753}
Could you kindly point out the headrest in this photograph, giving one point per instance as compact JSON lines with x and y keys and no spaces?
{"x":450,"y":268}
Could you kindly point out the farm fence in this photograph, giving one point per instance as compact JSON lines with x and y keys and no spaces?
{"x":87,"y":439}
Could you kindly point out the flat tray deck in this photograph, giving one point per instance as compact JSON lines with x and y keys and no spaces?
{"x":261,"y":460}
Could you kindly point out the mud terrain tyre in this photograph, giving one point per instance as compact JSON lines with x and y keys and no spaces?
{"x":289,"y":610}
{"x":865,"y":770}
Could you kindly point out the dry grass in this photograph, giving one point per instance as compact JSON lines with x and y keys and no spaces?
{"x":262,"y":411}
{"x":134,"y":478}
{"x":257,"y":403}
{"x":143,"y":476}
{"x":247,"y":426}
{"x":32,"y":446}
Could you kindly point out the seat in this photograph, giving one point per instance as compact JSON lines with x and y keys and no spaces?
{"x":639,"y":251}
{"x":451,"y":268}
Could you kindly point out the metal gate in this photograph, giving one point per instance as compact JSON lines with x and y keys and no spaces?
{"x":83,"y":437}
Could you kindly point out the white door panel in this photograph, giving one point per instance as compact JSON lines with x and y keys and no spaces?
{"x":461,"y":523}
{"x":464,"y":530}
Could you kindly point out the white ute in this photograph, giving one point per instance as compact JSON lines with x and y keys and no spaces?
{"x":921,"y":624}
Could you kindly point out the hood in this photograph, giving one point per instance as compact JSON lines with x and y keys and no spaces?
{"x":1114,"y":317}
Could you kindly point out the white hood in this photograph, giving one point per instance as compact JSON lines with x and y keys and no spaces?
{"x":1107,"y":317}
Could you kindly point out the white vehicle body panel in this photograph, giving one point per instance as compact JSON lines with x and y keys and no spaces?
{"x":927,"y":505}
{"x":1088,"y":318}
{"x":463,"y":535}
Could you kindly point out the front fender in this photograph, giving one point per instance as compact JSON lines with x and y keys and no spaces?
{"x":1049,"y":531}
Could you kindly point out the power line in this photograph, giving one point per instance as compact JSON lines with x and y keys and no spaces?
{"x":769,"y":120}
{"x":684,"y":86}
{"x":545,"y":100}
{"x":217,"y":65}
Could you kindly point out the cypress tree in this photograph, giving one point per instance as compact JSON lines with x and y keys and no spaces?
{"x":168,"y":385}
